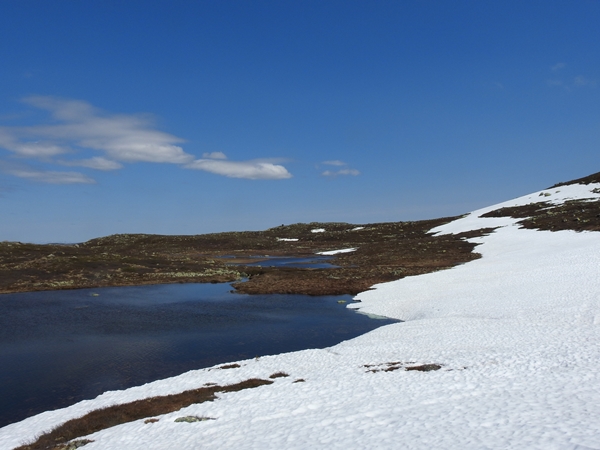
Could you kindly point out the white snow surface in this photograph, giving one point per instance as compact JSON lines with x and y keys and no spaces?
{"x":335,"y":252}
{"x":318,"y":230}
{"x":517,"y":333}
{"x":287,"y":239}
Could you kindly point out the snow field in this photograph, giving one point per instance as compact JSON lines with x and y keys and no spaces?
{"x":517,"y":333}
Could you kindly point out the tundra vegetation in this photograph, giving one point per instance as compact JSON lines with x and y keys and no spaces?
{"x":385,"y":252}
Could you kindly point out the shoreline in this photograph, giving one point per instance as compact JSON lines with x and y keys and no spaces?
{"x":512,"y":334}
{"x":486,"y":370}
{"x":385,"y":252}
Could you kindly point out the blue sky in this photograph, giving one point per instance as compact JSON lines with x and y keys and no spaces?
{"x":186,"y":117}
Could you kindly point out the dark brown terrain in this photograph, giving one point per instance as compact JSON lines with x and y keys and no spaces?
{"x":385,"y":252}
{"x":577,"y":215}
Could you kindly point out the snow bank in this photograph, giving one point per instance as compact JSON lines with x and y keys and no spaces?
{"x":517,"y":333}
{"x":335,"y":252}
{"x":554,"y":196}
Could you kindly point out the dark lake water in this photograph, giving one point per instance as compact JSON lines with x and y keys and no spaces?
{"x":60,"y":347}
{"x":314,"y":262}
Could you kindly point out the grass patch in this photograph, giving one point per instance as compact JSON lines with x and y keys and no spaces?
{"x":100,"y":419}
{"x":576,"y":215}
{"x":279,"y":375}
{"x":230,"y":366}
{"x":73,"y":445}
{"x":424,"y":367}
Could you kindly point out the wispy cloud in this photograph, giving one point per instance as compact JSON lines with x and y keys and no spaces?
{"x":582,"y":81}
{"x":335,"y":173}
{"x":341,"y":172}
{"x":336,"y":162}
{"x":77,"y":126}
{"x":50,"y":176}
{"x":217,"y":163}
{"x":97,"y":162}
{"x":214,"y":155}
{"x":569,"y":82}
{"x":122,"y":137}
{"x":10,"y":140}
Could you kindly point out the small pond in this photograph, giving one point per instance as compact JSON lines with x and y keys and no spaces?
{"x":312,"y":262}
{"x":60,"y":347}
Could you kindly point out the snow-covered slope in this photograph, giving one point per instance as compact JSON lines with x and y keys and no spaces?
{"x":516,"y":333}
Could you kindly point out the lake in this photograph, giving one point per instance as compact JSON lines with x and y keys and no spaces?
{"x":313,"y":261}
{"x":60,"y":347}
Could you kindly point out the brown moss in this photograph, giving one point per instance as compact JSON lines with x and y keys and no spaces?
{"x":279,"y":375}
{"x":111,"y":416}
{"x":593,"y":178}
{"x":386,"y":251}
{"x":577,"y":215}
{"x":230,"y":366}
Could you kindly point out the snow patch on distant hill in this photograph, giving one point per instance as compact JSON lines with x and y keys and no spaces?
{"x":335,"y":252}
{"x":556,"y":196}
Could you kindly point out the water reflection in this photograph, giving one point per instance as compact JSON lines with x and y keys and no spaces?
{"x":57,"y":348}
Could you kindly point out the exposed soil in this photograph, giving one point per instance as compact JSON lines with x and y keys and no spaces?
{"x":385,"y":252}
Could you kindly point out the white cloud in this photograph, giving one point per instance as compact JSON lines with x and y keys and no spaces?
{"x":214,"y":155}
{"x":122,"y":137}
{"x":52,"y":177}
{"x":335,"y":173}
{"x":578,"y":82}
{"x":28,"y":148}
{"x":251,"y":170}
{"x":62,"y":109}
{"x":334,"y":163}
{"x":330,"y":173}
{"x":36,"y":149}
{"x":97,"y":162}
{"x":77,"y":126}
{"x":568,"y":83}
